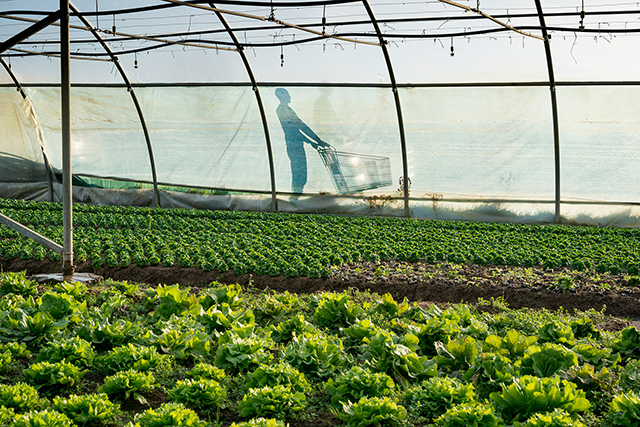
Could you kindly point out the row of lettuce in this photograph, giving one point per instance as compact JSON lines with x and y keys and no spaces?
{"x":307,"y":245}
{"x":77,"y":356}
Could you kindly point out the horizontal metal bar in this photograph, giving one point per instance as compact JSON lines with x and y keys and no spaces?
{"x":26,"y":231}
{"x":343,"y":85}
{"x":28,"y":32}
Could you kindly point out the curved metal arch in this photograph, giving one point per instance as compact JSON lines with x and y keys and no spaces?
{"x":254,"y":85}
{"x":114,"y":58}
{"x":396,"y":96}
{"x":554,"y":109}
{"x":23,"y":93}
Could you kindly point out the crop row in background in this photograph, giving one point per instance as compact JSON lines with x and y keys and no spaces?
{"x":308,"y":245}
{"x":115,"y":354}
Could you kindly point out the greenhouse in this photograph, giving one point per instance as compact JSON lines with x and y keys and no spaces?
{"x":520,"y":111}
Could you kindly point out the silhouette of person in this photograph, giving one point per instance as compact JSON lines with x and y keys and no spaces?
{"x":296,"y":134}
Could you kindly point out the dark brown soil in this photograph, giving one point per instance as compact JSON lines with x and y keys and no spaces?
{"x":440,"y":283}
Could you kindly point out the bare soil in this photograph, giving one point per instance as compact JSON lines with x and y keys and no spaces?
{"x":439,"y":283}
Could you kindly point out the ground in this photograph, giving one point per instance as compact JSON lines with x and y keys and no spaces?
{"x":519,"y":287}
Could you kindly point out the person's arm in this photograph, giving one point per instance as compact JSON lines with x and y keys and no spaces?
{"x":311,"y":135}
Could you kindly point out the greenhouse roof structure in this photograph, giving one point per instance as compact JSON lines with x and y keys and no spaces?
{"x":526,"y":110}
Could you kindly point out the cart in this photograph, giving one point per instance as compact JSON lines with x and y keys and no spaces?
{"x":352,"y":173}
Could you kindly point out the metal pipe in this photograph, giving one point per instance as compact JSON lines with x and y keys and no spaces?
{"x":67,"y":195}
{"x":554,"y":108}
{"x":143,"y":122}
{"x":396,"y":96}
{"x":26,"y":231}
{"x":254,"y":85}
{"x":28,"y":32}
{"x":47,"y":164}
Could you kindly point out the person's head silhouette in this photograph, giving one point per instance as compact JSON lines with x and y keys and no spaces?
{"x":283,"y":95}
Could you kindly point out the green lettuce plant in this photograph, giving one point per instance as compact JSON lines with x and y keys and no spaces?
{"x":359,"y":382}
{"x":170,"y":300}
{"x":315,"y":355}
{"x":547,"y":360}
{"x":335,"y":310}
{"x":556,"y":332}
{"x":133,"y":356}
{"x":206,"y":371}
{"x":396,"y":356}
{"x":433,"y":397}
{"x":277,"y":402}
{"x":43,"y":374}
{"x":628,"y":345}
{"x":20,"y":396}
{"x":281,"y":373}
{"x":624,"y":410}
{"x":260,"y":422}
{"x":222,"y":318}
{"x":198,"y":393}
{"x":457,"y":354}
{"x":73,"y":350}
{"x":171,"y":414}
{"x":528,"y":395}
{"x":46,"y":418}
{"x":86,"y":409}
{"x":218,"y":294}
{"x":372,"y":411}
{"x":471,"y":414}
{"x":557,"y":418}
{"x":128,"y":384}
{"x":17,"y":283}
{"x":490,"y":372}
{"x":236,"y":353}
{"x":598,"y":357}
{"x":295,"y":326}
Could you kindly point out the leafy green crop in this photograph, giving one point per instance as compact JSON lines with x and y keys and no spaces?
{"x":528,"y":395}
{"x":628,"y":345}
{"x":128,"y":384}
{"x":170,"y":300}
{"x":397,"y":357}
{"x":473,"y":414}
{"x":557,"y":418}
{"x":433,"y":397}
{"x":281,"y":373}
{"x":20,"y":396}
{"x":624,"y":410}
{"x":43,"y":374}
{"x":372,"y":411}
{"x":17,"y":283}
{"x":315,"y":355}
{"x":46,"y":418}
{"x":206,"y":371}
{"x":171,"y":414}
{"x":132,"y":356}
{"x":88,"y":408}
{"x":359,"y":382}
{"x":198,"y":393}
{"x":278,"y":402}
{"x":335,"y":310}
{"x":73,"y":350}
{"x":236,"y":353}
{"x":547,"y":360}
{"x":260,"y":422}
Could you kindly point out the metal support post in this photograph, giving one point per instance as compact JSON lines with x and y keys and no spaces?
{"x":65,"y":89}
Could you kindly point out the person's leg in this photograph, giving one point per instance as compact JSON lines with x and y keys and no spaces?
{"x":298,"y":168}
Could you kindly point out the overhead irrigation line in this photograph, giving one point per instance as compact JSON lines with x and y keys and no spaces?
{"x":272,"y":19}
{"x":313,"y":39}
{"x":491,"y":18}
{"x":129,"y":36}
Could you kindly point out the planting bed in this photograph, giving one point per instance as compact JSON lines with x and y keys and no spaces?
{"x":318,"y":319}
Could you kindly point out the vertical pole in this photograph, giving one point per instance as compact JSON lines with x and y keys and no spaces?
{"x":554,"y":108}
{"x":396,"y":97}
{"x":65,"y":89}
